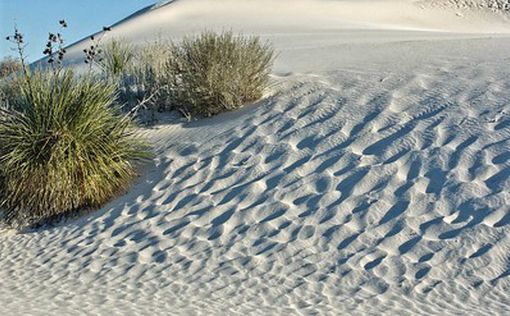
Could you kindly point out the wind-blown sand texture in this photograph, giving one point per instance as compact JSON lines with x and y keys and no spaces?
{"x":374,"y":178}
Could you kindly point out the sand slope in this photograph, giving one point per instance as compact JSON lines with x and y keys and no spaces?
{"x":374,"y":178}
{"x":279,"y":19}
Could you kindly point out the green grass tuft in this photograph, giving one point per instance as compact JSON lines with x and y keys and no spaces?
{"x":116,"y":58}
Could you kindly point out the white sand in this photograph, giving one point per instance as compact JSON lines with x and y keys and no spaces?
{"x":373,"y":179}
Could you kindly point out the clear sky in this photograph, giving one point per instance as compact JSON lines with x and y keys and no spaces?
{"x":35,"y":18}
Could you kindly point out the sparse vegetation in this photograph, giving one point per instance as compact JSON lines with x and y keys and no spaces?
{"x":64,"y":142}
{"x":199,"y":76}
{"x":117,"y":56}
{"x":8,"y":66}
{"x":145,"y":84}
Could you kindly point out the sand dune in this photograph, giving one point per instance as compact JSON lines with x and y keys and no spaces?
{"x":374,"y":178}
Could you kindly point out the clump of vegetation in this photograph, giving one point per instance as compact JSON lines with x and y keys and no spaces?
{"x":117,"y":57}
{"x":8,"y":66}
{"x":214,"y":73}
{"x":144,"y":86}
{"x":199,"y":76}
{"x":64,"y":144}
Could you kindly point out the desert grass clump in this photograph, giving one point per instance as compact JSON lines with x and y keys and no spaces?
{"x":64,"y":146}
{"x":9,"y":66}
{"x":116,"y":57}
{"x":213,"y":73}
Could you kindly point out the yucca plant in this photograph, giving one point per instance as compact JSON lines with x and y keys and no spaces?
{"x":64,"y":146}
{"x":213,"y":73}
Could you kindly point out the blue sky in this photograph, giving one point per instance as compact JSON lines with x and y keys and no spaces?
{"x":35,"y":18}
